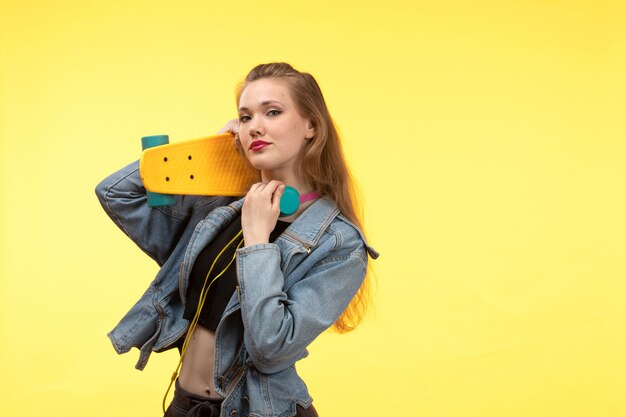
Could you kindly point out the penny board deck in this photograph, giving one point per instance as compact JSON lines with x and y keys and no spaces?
{"x":205,"y":166}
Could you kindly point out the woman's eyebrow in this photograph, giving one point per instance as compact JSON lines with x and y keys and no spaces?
{"x":263,"y":104}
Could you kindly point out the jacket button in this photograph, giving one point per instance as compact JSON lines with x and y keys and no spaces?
{"x":233,"y":413}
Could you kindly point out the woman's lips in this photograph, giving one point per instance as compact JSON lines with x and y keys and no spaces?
{"x":257,"y":145}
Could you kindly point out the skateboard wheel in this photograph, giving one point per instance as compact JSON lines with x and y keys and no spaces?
{"x":157,"y":199}
{"x":155,"y":140}
{"x":289,"y":202}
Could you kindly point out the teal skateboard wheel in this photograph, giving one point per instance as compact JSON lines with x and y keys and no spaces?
{"x":157,"y":199}
{"x":155,"y":140}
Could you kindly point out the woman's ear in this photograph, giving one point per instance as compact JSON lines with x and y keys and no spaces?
{"x":310,"y":130}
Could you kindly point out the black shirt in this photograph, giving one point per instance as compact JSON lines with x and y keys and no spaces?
{"x":222,"y":289}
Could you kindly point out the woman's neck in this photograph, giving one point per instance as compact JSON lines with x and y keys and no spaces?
{"x":287,"y":178}
{"x":292,"y":180}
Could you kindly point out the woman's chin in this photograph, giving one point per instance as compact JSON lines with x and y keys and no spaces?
{"x":268,"y":163}
{"x":261,"y":165}
{"x":264,"y":167}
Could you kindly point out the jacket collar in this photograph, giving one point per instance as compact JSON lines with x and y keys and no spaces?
{"x":311,"y":224}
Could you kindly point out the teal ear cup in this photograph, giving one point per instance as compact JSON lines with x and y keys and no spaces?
{"x":289,"y":202}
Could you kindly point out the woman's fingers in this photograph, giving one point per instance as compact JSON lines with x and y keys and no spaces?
{"x":271,"y":187}
{"x":231,"y":126}
{"x":277,"y":195}
{"x":256,"y":187}
{"x":260,"y":211}
{"x":269,"y":191}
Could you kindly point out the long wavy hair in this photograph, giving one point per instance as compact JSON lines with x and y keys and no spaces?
{"x":322,"y":164}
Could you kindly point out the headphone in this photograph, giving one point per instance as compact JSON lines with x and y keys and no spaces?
{"x":202,"y":299}
{"x":290,"y":200}
{"x":289,"y":204}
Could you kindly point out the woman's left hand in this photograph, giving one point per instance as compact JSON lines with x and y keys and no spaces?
{"x":232,"y":126}
{"x":260,"y":211}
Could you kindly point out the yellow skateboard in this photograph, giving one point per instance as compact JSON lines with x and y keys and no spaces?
{"x":205,"y":166}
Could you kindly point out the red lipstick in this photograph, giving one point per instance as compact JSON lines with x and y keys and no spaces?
{"x":257,"y":145}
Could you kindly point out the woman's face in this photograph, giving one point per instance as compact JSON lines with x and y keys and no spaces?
{"x":271,"y":130}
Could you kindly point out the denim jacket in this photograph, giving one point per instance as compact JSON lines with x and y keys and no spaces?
{"x":288,"y":291}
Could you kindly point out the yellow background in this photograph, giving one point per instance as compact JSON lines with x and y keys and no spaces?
{"x":488,"y":139}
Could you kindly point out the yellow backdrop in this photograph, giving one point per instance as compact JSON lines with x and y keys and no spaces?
{"x":488,"y":139}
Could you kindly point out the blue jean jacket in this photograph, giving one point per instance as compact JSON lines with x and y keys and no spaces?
{"x":289,"y":291}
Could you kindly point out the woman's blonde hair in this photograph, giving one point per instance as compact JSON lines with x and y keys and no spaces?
{"x":322,"y":164}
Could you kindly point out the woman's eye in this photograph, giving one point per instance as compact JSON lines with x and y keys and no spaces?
{"x":273,"y":112}
{"x":244,"y":118}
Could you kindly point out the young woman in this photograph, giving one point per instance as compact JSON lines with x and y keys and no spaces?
{"x":242,"y":291}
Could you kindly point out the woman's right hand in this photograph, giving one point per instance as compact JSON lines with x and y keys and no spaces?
{"x":260,"y":211}
{"x":232,"y":126}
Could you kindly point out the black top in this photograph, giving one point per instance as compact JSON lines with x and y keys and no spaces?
{"x":222,"y":289}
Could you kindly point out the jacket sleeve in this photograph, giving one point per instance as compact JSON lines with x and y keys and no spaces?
{"x":278,"y":326}
{"x":155,"y":230}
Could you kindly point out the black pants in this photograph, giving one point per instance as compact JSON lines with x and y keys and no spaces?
{"x":187,"y":404}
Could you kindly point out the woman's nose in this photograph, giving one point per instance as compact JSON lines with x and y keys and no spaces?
{"x":256,"y":129}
